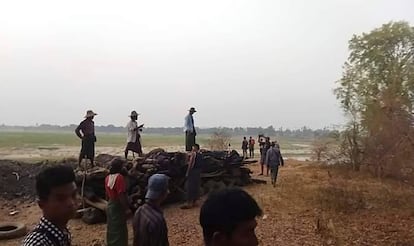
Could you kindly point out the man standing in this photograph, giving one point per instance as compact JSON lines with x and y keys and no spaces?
{"x":266,"y":146}
{"x":245,"y":145}
{"x":228,"y":218}
{"x":86,"y":132}
{"x":56,"y":192}
{"x":251,"y":147}
{"x":273,"y":160}
{"x":150,"y":228}
{"x":189,"y":128}
{"x":134,"y":138}
{"x":118,"y":208}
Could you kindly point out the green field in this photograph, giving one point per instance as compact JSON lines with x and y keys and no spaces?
{"x":48,"y":139}
{"x":51,"y":145}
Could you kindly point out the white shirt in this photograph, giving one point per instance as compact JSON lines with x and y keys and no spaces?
{"x":188,"y":123}
{"x":132,"y":135}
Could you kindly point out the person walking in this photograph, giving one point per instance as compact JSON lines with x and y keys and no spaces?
{"x":118,"y":209}
{"x":273,"y":160}
{"x":150,"y":228}
{"x":251,"y":147}
{"x":189,"y":129}
{"x":86,"y":132}
{"x":134,"y":137}
{"x":245,"y":145}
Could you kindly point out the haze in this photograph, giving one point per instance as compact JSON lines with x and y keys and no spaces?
{"x":240,"y":63}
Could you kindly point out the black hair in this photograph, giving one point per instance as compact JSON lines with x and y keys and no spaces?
{"x":224,"y":210}
{"x":116,"y":165}
{"x":53,"y":177}
{"x":197,"y":146}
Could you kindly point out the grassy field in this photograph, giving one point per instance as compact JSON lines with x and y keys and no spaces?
{"x":45,"y":139}
{"x":40,"y":145}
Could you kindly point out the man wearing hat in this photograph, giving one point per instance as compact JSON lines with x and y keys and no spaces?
{"x":134,"y":138}
{"x":150,"y":228}
{"x":86,"y":132}
{"x":189,"y":128}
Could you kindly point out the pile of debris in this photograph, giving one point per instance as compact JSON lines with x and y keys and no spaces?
{"x":220,"y":169}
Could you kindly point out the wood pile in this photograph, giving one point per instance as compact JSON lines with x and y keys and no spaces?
{"x":220,"y":169}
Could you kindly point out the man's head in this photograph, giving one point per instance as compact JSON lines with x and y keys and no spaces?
{"x":134,"y":115}
{"x":273,"y":144}
{"x":192,"y":110}
{"x":116,"y":166}
{"x":250,"y":137}
{"x":56,"y":191}
{"x":90,"y":114}
{"x":228,"y":218}
{"x":157,"y":188}
{"x":196,"y":147}
{"x":244,"y":138}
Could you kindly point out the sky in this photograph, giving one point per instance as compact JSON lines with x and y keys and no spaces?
{"x":239,"y":63}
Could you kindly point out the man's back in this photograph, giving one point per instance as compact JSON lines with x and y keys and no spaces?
{"x":150,"y":228}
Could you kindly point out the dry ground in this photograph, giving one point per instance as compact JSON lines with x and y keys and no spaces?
{"x":312,"y":205}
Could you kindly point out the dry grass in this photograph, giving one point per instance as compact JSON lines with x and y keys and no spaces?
{"x":311,"y":205}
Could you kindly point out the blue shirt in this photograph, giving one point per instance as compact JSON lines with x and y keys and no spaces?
{"x":273,"y":157}
{"x":189,"y":123}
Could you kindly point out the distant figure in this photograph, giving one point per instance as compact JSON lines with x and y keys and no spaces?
{"x":134,"y":138}
{"x":57,"y":198}
{"x":251,"y":147}
{"x":190,"y":131}
{"x":150,"y":228}
{"x":273,"y":160}
{"x":228,"y":217}
{"x":118,"y":209}
{"x":86,"y":132}
{"x":266,"y":146}
{"x":245,"y":145}
{"x":193,"y":177}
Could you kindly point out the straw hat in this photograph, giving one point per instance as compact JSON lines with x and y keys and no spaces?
{"x":90,"y":113}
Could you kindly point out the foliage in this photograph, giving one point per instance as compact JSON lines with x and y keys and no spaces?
{"x":377,"y":93}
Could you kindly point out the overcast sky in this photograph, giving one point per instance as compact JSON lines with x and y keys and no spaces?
{"x":240,"y":63}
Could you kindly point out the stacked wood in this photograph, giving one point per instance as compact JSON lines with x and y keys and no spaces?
{"x":220,"y":169}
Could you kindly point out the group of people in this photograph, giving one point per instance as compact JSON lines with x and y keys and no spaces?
{"x":248,"y":145}
{"x":86,"y":132}
{"x":227,"y":217}
{"x":270,"y":155}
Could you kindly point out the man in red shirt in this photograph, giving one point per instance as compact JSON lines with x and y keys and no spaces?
{"x":118,"y":209}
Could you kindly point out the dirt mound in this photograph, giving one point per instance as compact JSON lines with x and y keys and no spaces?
{"x":17,"y":179}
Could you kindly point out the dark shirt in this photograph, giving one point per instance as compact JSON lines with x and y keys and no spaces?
{"x":245,"y":144}
{"x":47,"y":234}
{"x":150,"y":228}
{"x":87,"y":127}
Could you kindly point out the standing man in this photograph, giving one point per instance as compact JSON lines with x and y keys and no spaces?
{"x":273,"y":160}
{"x":56,"y":193}
{"x":189,"y":128}
{"x":150,"y":228}
{"x":265,"y":148}
{"x":245,"y":145}
{"x":251,"y":147}
{"x":118,"y":209}
{"x":86,"y":132}
{"x":134,"y":138}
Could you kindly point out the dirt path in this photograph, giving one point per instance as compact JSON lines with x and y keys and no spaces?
{"x":290,"y":217}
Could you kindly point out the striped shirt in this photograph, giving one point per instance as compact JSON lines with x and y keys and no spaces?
{"x":150,"y":228}
{"x":47,"y":234}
